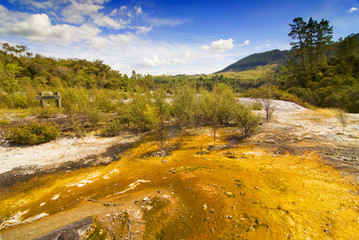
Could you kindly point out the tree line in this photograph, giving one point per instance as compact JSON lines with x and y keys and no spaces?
{"x":20,"y":71}
{"x":322,"y":72}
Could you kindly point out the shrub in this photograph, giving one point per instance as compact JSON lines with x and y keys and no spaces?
{"x":342,"y":116}
{"x":34,"y":133}
{"x":246,"y":121}
{"x":186,"y":105}
{"x":111,"y":128}
{"x":20,"y":101}
{"x":4,"y":122}
{"x":139,"y":113}
{"x":45,"y":112}
{"x":257,"y":105}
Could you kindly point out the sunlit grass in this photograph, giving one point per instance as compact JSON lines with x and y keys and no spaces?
{"x":253,"y":74}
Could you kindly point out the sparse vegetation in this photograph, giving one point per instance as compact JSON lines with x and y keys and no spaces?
{"x":342,"y":116}
{"x":217,"y":107}
{"x":245,"y":120}
{"x":163,"y":111}
{"x":268,"y":107}
{"x":186,"y":105}
{"x":34,"y":133}
{"x":112,"y":127}
{"x":4,"y":122}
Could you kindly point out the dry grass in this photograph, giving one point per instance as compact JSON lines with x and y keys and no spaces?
{"x":325,"y":112}
{"x":319,"y":115}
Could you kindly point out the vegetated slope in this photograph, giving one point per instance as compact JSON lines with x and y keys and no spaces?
{"x":259,"y":59}
{"x":251,"y":74}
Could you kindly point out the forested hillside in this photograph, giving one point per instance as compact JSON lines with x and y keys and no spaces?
{"x":19,"y":69}
{"x":323,"y":73}
{"x":258,"y":59}
{"x":23,"y":75}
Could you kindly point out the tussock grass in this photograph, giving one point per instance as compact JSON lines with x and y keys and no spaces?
{"x":320,"y":114}
{"x":325,"y":112}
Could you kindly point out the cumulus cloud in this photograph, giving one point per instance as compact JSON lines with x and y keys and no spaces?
{"x":38,"y":28}
{"x":34,"y":3}
{"x":219,"y":46}
{"x":353,"y":9}
{"x":268,"y":43}
{"x":83,"y":37}
{"x":76,"y":12}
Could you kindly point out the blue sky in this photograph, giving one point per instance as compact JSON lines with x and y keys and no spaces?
{"x":164,"y":37}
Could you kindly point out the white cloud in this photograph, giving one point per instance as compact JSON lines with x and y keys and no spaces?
{"x":76,"y":12}
{"x":34,"y":3}
{"x":8,"y":17}
{"x":245,"y":43}
{"x":38,"y":28}
{"x":155,"y":61}
{"x":353,"y":9}
{"x":122,"y":38}
{"x":124,"y":50}
{"x":114,"y":12}
{"x":268,"y":43}
{"x":219,"y":46}
{"x":102,"y":20}
{"x":138,"y":10}
{"x":151,"y":62}
{"x":143,"y":29}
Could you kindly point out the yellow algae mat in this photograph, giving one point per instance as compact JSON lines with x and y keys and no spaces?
{"x":234,"y":192}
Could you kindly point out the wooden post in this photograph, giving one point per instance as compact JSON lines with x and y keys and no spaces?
{"x":41,"y":100}
{"x":58,"y":100}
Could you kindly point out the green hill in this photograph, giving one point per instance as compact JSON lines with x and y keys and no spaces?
{"x":258,"y":59}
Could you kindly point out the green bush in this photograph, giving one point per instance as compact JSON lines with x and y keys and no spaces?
{"x":20,"y":101}
{"x":246,"y":121}
{"x":45,"y":112}
{"x":4,"y":122}
{"x":112,"y":128}
{"x":34,"y":133}
{"x":256,"y":105}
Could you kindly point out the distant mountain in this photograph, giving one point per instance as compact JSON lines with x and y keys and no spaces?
{"x":258,"y":59}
